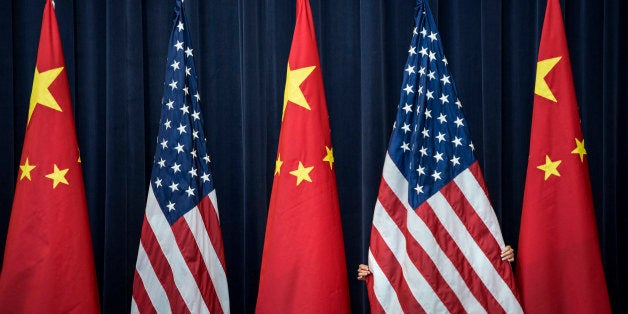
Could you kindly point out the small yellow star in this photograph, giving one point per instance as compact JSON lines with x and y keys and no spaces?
{"x":293,"y":91}
{"x":26,"y":170}
{"x":580,"y":149}
{"x":40,"y":93}
{"x":278,"y":164}
{"x":57,"y":176}
{"x":302,"y":173}
{"x":329,"y":157}
{"x":542,"y":69}
{"x":550,"y":167}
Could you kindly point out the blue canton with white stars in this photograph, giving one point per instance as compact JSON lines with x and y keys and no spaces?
{"x":181,"y":174}
{"x":430,"y":142}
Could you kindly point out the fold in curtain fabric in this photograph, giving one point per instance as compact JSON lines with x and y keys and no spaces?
{"x":559,"y":268}
{"x":48,"y":264}
{"x":303,"y":262}
{"x":181,"y":262}
{"x":435,"y":241}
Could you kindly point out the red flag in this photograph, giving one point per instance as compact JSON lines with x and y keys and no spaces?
{"x":48,"y":262}
{"x":559,"y":267}
{"x":303,"y":263}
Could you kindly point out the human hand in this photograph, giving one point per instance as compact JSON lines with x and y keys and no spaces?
{"x":363,"y":272}
{"x":508,"y":254}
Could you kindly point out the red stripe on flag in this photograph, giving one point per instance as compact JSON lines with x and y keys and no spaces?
{"x":194,"y":260}
{"x":142,"y":300}
{"x":162,"y":268}
{"x":212,"y":225}
{"x":415,"y":250}
{"x":478,"y":230}
{"x":431,"y":274}
{"x":392,"y":270}
{"x":474,"y":224}
{"x":477,"y":174}
{"x":376,"y":307}
{"x":460,"y":262}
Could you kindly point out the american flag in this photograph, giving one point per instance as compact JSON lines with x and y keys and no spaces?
{"x":180,"y":265}
{"x":435,"y":241}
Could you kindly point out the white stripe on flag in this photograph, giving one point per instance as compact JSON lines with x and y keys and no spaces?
{"x":396,"y":241}
{"x":212,"y":262}
{"x":153,"y":287}
{"x":474,"y":254}
{"x":383,"y":290}
{"x":183,"y":278}
{"x":478,"y":199}
{"x":214,"y":200}
{"x":445,"y":267}
{"x":134,"y":308}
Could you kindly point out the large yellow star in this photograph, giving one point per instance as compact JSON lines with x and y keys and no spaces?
{"x":580,"y":149}
{"x":542,"y":69}
{"x":329,"y":157}
{"x":293,"y":91}
{"x":41,"y":94}
{"x":278,"y":164}
{"x":26,"y":170}
{"x":302,"y":173}
{"x":57,"y":176}
{"x":550,"y":167}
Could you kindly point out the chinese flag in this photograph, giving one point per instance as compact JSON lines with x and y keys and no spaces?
{"x":48,"y":261}
{"x":559,"y":266}
{"x":303,"y":263}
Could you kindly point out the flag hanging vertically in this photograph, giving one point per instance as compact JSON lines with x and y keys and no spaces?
{"x":559,"y":267}
{"x":435,"y":241}
{"x":48,"y":261}
{"x":180,"y":262}
{"x":303,"y":263}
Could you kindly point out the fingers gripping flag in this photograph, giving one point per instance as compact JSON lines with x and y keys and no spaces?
{"x":180,"y":264}
{"x":435,"y":241}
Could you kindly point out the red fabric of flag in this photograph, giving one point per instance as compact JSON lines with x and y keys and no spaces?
{"x":48,"y":262}
{"x":559,"y":268}
{"x":303,"y":264}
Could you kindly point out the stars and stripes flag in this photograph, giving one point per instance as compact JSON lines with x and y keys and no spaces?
{"x":180,"y":264}
{"x":559,"y":268}
{"x":48,"y":263}
{"x":435,"y":241}
{"x":303,"y":263}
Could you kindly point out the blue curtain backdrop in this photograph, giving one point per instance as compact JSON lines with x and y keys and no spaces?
{"x":115,"y":53}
